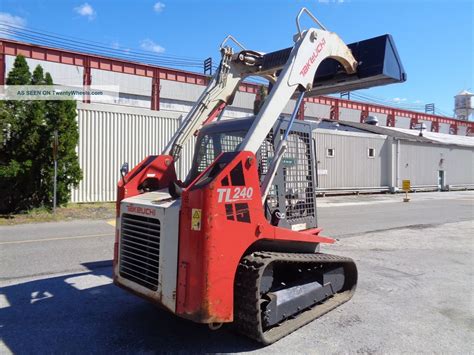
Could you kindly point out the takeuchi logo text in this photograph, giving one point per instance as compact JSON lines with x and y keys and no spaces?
{"x":313,"y":57}
{"x":141,"y":210}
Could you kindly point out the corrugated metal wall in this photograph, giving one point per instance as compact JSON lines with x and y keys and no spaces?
{"x":127,"y":83}
{"x":347,"y":114}
{"x":133,"y":90}
{"x":189,"y":93}
{"x":316,"y":110}
{"x":110,"y":135}
{"x":136,"y":91}
{"x":420,"y":164}
{"x":351,"y":167}
{"x":402,"y":122}
{"x":462,"y":131}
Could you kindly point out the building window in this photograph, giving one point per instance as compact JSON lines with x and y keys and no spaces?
{"x":371,"y":152}
{"x":330,"y":152}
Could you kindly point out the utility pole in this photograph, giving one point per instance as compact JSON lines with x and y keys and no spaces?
{"x":208,"y":66}
{"x":345,"y":94}
{"x":430,"y":108}
{"x":55,"y":158}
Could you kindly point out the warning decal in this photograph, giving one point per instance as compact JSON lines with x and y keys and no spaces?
{"x":196,"y":219}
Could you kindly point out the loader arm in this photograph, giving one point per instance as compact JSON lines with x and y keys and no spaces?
{"x":311,"y":49}
{"x":219,"y":93}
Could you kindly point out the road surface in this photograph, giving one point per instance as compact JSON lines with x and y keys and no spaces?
{"x":414,"y":295}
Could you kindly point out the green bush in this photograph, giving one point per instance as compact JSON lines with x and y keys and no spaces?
{"x":26,"y":153}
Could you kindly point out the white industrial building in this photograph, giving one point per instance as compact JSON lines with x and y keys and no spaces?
{"x":361,"y":157}
{"x":152,"y":101}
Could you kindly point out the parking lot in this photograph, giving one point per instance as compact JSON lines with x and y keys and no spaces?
{"x":415,"y":289}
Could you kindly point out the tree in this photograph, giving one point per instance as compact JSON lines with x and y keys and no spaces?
{"x":26,"y":162}
{"x":4,"y":127}
{"x":16,"y":170}
{"x":20,"y":74}
{"x":61,"y":116}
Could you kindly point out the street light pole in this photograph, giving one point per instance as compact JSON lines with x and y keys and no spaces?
{"x":55,"y":157}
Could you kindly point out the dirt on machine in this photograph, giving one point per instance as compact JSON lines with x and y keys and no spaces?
{"x":237,"y":241}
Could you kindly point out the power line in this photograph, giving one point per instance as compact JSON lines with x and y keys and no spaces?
{"x":406,"y":106}
{"x":56,"y":40}
{"x":385,"y":101}
{"x":43,"y":38}
{"x":88,"y":42}
{"x":388,"y":102}
{"x":108,"y":52}
{"x":73,"y":43}
{"x":443,"y":113}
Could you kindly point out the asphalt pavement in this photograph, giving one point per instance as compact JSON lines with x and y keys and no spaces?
{"x":415,"y":292}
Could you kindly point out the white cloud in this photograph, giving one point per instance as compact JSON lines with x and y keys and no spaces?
{"x":86,"y":10}
{"x":149,"y":45}
{"x":8,"y":19}
{"x":117,"y":45}
{"x":159,"y":7}
{"x":417,"y":101}
{"x":398,"y":99}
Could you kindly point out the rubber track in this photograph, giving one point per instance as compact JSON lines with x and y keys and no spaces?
{"x":247,"y":311}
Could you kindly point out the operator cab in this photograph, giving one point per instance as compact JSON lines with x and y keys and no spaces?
{"x":216,"y":138}
{"x":291,"y":202}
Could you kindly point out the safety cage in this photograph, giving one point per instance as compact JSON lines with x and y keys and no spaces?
{"x":291,"y":202}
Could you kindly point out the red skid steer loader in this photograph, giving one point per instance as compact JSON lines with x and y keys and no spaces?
{"x":238,"y":241}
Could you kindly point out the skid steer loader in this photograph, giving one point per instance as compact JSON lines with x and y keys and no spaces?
{"x":238,"y":241}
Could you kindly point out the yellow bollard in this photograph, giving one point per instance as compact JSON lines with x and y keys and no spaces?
{"x":406,"y":187}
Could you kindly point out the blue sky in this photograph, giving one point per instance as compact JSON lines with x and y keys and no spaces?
{"x":434,"y":38}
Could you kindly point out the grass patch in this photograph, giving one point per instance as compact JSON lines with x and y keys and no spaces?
{"x":101,"y":210}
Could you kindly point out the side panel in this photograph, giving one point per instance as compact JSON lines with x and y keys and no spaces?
{"x":169,"y":254}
